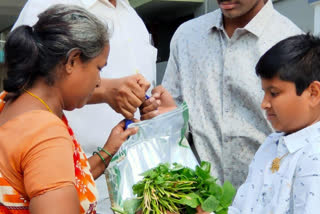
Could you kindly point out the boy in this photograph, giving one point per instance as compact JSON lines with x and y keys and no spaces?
{"x":284,"y":176}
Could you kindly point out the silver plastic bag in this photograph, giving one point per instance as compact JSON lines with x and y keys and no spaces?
{"x":159,"y":140}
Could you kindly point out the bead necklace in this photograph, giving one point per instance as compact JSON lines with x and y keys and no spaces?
{"x":41,"y":100}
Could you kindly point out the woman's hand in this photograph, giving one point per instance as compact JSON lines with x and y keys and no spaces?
{"x":160,"y":102}
{"x":116,"y":138}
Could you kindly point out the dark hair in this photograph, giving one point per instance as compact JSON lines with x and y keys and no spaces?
{"x":34,"y":52}
{"x":295,"y":59}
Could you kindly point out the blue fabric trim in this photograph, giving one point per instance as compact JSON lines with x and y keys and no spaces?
{"x":1,"y":56}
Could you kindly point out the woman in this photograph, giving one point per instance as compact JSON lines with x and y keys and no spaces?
{"x":51,"y":67}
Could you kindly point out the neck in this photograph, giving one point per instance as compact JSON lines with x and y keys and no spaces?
{"x":231,"y":24}
{"x":49,"y":94}
{"x":113,"y":2}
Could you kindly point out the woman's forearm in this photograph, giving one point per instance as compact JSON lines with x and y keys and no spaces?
{"x":97,"y":165}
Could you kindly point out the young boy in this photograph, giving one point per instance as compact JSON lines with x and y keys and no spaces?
{"x":284,"y":176}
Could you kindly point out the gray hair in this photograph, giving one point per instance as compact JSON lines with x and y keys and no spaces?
{"x":33,"y":52}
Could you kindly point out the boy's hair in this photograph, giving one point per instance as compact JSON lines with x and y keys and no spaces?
{"x":295,"y":59}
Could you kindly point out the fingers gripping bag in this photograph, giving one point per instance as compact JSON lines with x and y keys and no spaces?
{"x":159,"y":140}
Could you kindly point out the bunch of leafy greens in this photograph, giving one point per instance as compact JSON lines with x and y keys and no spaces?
{"x":179,"y":189}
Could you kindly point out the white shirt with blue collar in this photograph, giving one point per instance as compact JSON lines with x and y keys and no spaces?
{"x":295,"y":187}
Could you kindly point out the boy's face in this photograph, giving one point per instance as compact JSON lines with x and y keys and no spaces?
{"x":286,"y":111}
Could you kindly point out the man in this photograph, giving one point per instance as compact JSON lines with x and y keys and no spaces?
{"x":130,"y":53}
{"x":212,"y":67}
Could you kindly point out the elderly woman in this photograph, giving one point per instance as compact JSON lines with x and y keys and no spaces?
{"x":51,"y":67}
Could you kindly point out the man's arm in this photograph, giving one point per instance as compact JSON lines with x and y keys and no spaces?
{"x":124,"y":95}
{"x":172,"y":76}
{"x":164,"y":97}
{"x":31,"y":10}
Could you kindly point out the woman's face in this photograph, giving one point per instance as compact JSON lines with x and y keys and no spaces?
{"x":85,"y":77}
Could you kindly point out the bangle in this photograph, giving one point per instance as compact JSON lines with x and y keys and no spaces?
{"x":104,"y":161}
{"x":102,"y":149}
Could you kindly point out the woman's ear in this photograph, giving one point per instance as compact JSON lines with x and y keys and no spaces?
{"x":314,"y":90}
{"x":72,"y":61}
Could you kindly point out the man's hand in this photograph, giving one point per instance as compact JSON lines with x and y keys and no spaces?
{"x":124,"y":95}
{"x":160,"y":102}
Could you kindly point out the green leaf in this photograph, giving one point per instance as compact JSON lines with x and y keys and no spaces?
{"x":118,"y":210}
{"x":188,"y":173}
{"x":215,"y":190}
{"x":159,"y":180}
{"x":203,"y":174}
{"x":219,"y":209}
{"x":210,"y":204}
{"x":163,"y":168}
{"x":191,"y":200}
{"x":223,"y":211}
{"x":138,"y":188}
{"x":177,"y":167}
{"x":150,"y":173}
{"x":228,"y":193}
{"x":205,"y":166}
{"x":131,"y":206}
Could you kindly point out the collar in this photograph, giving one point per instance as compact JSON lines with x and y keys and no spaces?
{"x":256,"y":26}
{"x":301,"y":138}
{"x":217,"y":21}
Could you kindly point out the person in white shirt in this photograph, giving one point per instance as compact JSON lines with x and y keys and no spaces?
{"x":130,"y":52}
{"x":284,"y":174}
{"x":211,"y":67}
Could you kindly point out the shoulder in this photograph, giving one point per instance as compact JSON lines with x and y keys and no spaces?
{"x":197,"y":27}
{"x":268,"y":146}
{"x":280,"y":27}
{"x":35,"y":127}
{"x":309,"y":159}
{"x":277,"y":28}
{"x":36,"y":139}
{"x":283,"y":20}
{"x":271,"y":140}
{"x":39,"y":118}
